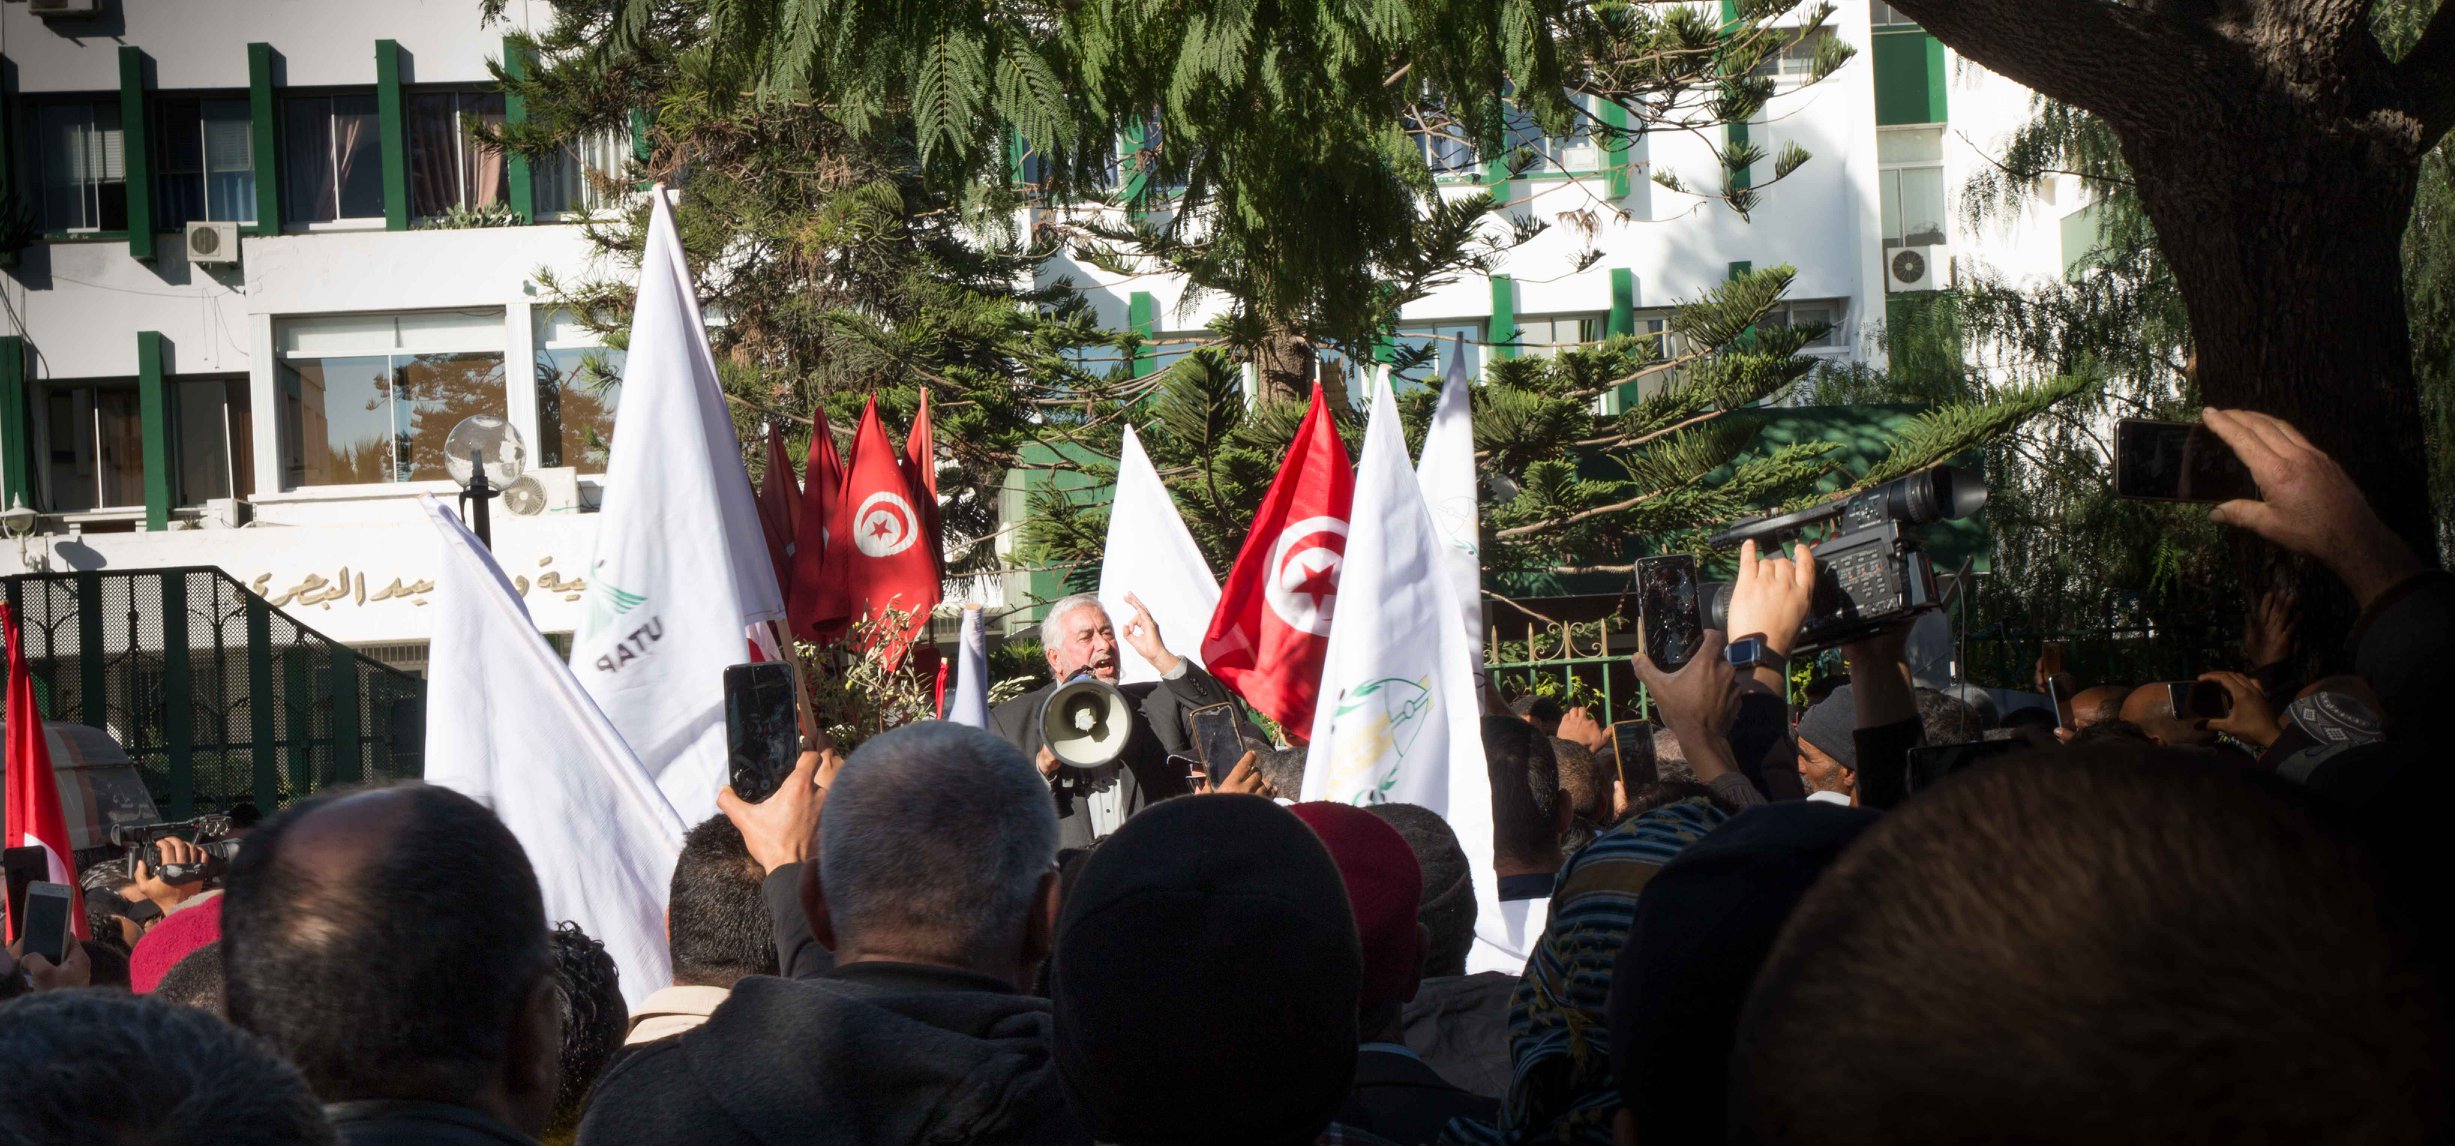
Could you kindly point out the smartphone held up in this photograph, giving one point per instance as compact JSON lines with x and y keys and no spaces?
{"x":762,"y":741}
{"x":1669,"y":613}
{"x":2177,"y":461}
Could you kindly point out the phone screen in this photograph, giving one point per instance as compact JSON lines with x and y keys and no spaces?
{"x":1932,"y":763}
{"x":46,"y":927}
{"x":2176,"y":461}
{"x":1667,"y":609}
{"x":24,"y":867}
{"x":761,"y":740}
{"x":2199,"y":699}
{"x":1216,"y":739}
{"x":1632,"y":744}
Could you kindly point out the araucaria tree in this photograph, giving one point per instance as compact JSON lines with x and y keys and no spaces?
{"x":2275,"y":145}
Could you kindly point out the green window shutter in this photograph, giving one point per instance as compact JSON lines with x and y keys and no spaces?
{"x":1142,"y":314}
{"x":153,"y":411}
{"x":1909,"y":77}
{"x":136,"y":133}
{"x":14,"y":438}
{"x":1747,"y":338}
{"x":392,"y":127}
{"x":641,"y":147}
{"x":262,"y":140}
{"x":1137,"y":179}
{"x":1734,"y":137}
{"x":1502,"y":332}
{"x":517,"y":183}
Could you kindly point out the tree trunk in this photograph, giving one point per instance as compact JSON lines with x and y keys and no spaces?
{"x":1284,"y":363}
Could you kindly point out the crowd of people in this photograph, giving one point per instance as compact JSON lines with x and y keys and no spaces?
{"x":2144,"y":925}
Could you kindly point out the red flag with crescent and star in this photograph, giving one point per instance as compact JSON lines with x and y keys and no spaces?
{"x":814,"y":601}
{"x":1272,"y":627}
{"x":889,"y":558}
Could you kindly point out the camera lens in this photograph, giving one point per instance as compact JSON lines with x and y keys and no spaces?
{"x":1929,"y":496}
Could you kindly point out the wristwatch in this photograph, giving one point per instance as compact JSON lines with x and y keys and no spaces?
{"x":1751,"y":652}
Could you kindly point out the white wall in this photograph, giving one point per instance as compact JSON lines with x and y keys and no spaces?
{"x":203,"y":43}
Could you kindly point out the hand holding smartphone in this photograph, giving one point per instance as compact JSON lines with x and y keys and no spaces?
{"x":1218,"y":742}
{"x":2199,"y":699}
{"x":45,"y":930}
{"x":1632,"y":747}
{"x":2177,"y":461}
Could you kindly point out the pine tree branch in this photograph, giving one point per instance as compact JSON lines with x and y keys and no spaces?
{"x":2427,"y":75}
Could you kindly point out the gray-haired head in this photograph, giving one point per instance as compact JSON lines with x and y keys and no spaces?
{"x":936,"y":839}
{"x":1076,"y":634}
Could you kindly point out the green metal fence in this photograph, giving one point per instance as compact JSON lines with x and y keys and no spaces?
{"x":216,"y":695}
{"x":1574,"y":662}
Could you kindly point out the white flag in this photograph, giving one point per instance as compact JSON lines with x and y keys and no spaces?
{"x":1151,"y":555}
{"x":1398,"y":721}
{"x":681,"y":568}
{"x":1447,"y":474}
{"x":970,"y":704}
{"x":508,"y":726}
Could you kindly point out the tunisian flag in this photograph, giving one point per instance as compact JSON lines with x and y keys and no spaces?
{"x":921,"y":470}
{"x":887,"y":553}
{"x":34,"y":815}
{"x":814,"y":594}
{"x":1272,"y":628}
{"x":779,"y":505}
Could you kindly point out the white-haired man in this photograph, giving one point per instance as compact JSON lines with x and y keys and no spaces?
{"x":1078,"y":637}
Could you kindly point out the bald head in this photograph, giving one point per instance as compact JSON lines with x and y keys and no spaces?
{"x":351,"y":915}
{"x":2151,"y":706}
{"x":2097,"y":705}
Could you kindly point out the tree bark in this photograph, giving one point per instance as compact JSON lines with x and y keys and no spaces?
{"x":1283,"y":362}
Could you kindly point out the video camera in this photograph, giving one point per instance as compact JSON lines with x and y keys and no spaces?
{"x":207,"y":831}
{"x":1870,"y":572}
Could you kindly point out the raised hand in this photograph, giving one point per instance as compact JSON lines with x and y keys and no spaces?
{"x":1142,"y":635}
{"x":2308,"y":504}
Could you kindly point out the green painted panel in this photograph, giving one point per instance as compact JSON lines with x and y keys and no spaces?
{"x":1623,"y":318}
{"x":1909,"y":77}
{"x":260,"y":703}
{"x":392,"y":130}
{"x":517,"y":181}
{"x":349,"y":760}
{"x":1142,"y":314}
{"x":1734,"y":137}
{"x":153,"y":410}
{"x":1501,"y":332}
{"x":262,"y":140}
{"x":178,"y":694}
{"x":2083,"y":231}
{"x":15,"y":437}
{"x":136,"y":130}
{"x":1621,"y":177}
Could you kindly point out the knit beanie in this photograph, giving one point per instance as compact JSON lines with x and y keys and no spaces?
{"x":1384,"y":886}
{"x":190,"y":926}
{"x":1448,"y":905}
{"x":1832,"y":725}
{"x":1205,"y":979}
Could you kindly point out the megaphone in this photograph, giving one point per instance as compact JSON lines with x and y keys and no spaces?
{"x":1085,"y":722}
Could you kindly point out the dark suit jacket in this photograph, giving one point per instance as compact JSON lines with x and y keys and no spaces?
{"x":1159,"y":730}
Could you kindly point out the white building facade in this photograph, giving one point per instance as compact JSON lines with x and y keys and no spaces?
{"x":271,"y":269}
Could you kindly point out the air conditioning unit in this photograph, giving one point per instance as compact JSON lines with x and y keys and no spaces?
{"x":64,"y":9}
{"x":543,"y":491}
{"x":1917,"y":268}
{"x":213,"y":244}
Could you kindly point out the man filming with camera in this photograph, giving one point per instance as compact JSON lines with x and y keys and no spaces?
{"x":1082,"y":644}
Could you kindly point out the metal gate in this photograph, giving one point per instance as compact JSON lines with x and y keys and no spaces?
{"x":216,"y":695}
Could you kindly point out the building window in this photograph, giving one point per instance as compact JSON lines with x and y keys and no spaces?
{"x":1911,"y":178}
{"x":368,"y":399}
{"x":1797,"y":58}
{"x":332,"y":161}
{"x":207,"y":163}
{"x":94,"y":440}
{"x":1435,"y":342}
{"x":80,"y":166}
{"x":1826,"y":311}
{"x":1882,"y":14}
{"x":449,"y":169}
{"x":213,"y":439}
{"x":582,"y":176}
{"x":579,"y":384}
{"x":1578,"y":151}
{"x":1548,"y":335}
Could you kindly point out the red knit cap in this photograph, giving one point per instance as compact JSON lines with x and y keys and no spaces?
{"x":1384,"y":886}
{"x":178,"y":933}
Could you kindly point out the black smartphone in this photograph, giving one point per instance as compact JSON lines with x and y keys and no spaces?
{"x":761,"y":740}
{"x":1632,"y":743}
{"x":2199,"y":699}
{"x":1218,"y":741}
{"x":46,"y":921}
{"x":24,"y":867}
{"x":1667,"y":609}
{"x":2176,"y":461}
{"x":1930,"y":764}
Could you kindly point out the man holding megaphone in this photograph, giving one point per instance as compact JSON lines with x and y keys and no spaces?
{"x":1105,"y":747}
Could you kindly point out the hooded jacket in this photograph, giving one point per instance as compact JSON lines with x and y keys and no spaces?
{"x":870,"y":1053}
